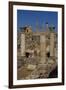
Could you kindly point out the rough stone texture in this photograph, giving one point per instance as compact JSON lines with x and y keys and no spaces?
{"x":22,"y":44}
{"x":38,"y":54}
{"x":43,"y":48}
{"x":52,"y":44}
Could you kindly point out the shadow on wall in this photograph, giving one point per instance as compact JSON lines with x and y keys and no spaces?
{"x":54,"y":73}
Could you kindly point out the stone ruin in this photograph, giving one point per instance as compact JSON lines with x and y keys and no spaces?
{"x":38,"y":53}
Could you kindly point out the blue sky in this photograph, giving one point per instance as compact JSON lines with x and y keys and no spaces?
{"x":32,"y":18}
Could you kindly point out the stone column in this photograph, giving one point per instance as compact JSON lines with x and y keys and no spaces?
{"x":22,"y":44}
{"x":43,"y":48}
{"x":52,"y":44}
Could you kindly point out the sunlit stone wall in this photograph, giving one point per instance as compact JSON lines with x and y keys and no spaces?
{"x":22,"y":44}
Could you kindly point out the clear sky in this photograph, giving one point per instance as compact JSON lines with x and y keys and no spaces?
{"x":34,"y":18}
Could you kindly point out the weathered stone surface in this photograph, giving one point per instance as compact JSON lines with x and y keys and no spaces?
{"x":38,"y":55}
{"x":31,"y":67}
{"x":22,"y":44}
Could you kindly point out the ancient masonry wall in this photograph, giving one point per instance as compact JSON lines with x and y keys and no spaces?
{"x":52,"y":45}
{"x":22,"y":44}
{"x":43,"y":48}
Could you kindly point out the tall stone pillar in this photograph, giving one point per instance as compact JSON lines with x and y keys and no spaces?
{"x":43,"y":48}
{"x":22,"y":44}
{"x":52,"y":44}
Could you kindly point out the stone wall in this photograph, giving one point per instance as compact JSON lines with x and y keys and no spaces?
{"x":22,"y":44}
